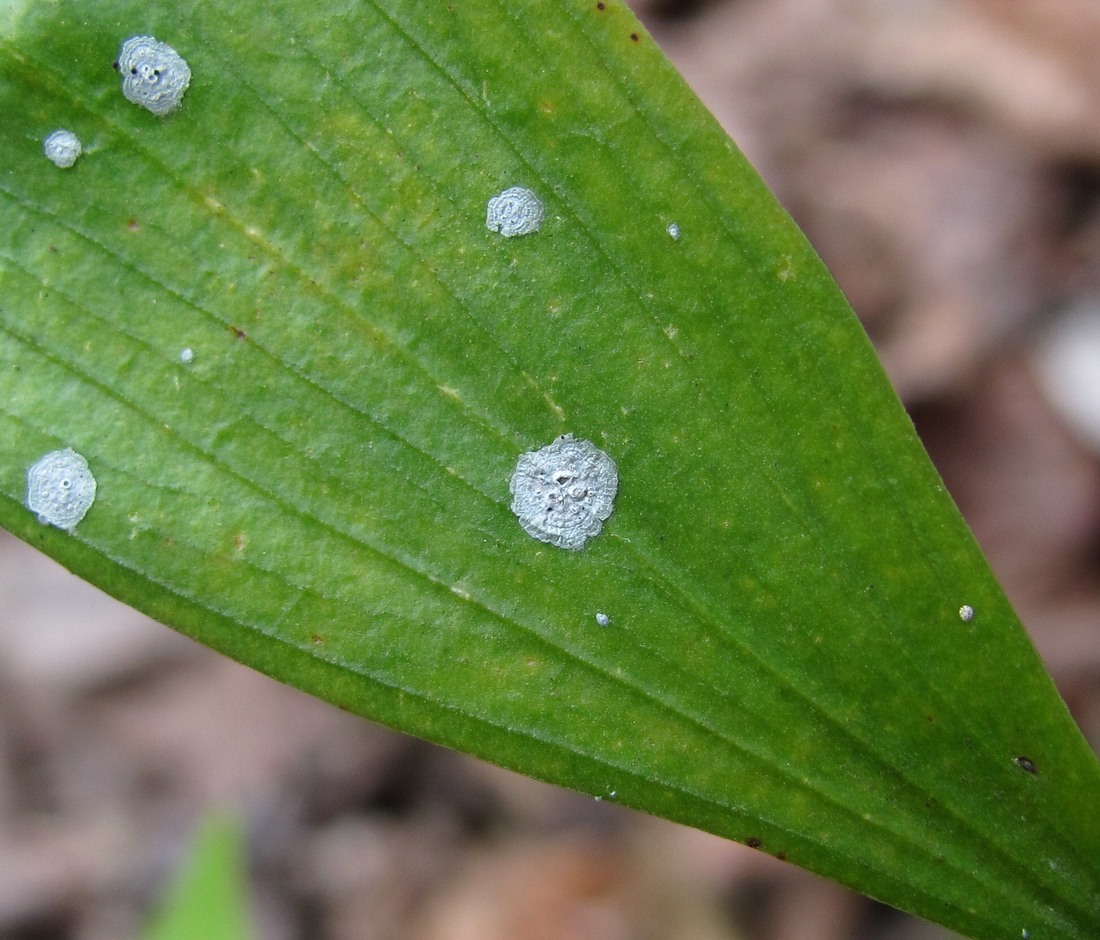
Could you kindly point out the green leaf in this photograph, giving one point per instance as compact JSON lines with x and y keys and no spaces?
{"x":208,"y":898}
{"x":323,"y":492}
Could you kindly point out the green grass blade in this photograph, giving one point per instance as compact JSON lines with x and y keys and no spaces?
{"x":208,"y":898}
{"x":323,"y":492}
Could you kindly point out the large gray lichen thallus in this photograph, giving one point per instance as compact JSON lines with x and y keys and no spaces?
{"x":562,"y":493}
{"x":516,"y":211}
{"x":153,"y":74}
{"x":60,"y":488}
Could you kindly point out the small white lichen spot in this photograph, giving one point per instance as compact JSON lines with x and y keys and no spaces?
{"x":62,"y":148}
{"x":516,"y":211}
{"x":562,"y":493}
{"x":966,"y":613}
{"x":673,"y":231}
{"x":603,"y":620}
{"x":60,"y":489}
{"x":187,"y":355}
{"x":154,"y":75}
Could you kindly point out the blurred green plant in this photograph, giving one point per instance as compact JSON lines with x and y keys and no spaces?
{"x":320,"y":487}
{"x":209,"y":896}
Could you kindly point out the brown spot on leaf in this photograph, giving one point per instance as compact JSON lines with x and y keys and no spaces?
{"x":633,"y":37}
{"x":753,"y":843}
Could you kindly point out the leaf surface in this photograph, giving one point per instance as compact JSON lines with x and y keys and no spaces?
{"x":322,"y":493}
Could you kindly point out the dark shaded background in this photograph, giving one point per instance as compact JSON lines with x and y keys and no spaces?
{"x":944,"y":157}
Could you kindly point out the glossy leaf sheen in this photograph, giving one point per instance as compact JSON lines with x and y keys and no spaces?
{"x":323,"y":492}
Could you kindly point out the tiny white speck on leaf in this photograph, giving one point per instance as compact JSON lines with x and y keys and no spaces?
{"x":187,"y":355}
{"x":516,"y":211}
{"x":61,"y":148}
{"x":60,"y":488}
{"x":603,"y":620}
{"x":154,"y":75}
{"x":563,"y":493}
{"x":966,"y":613}
{"x":673,"y":231}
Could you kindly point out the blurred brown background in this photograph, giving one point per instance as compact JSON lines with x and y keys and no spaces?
{"x":944,"y":158}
